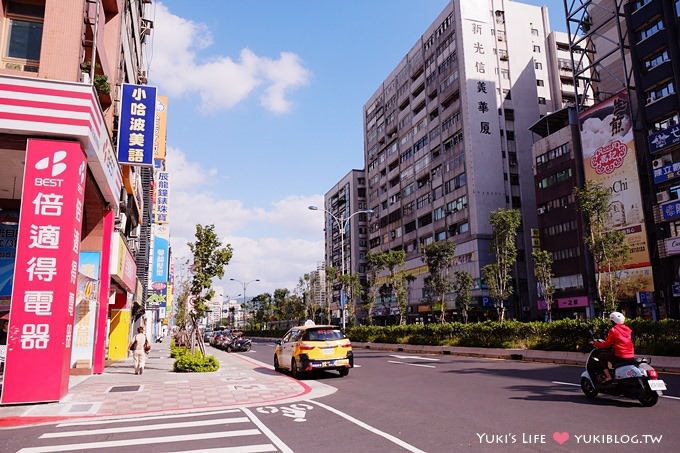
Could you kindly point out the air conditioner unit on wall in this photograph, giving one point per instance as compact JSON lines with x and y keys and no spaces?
{"x":662,"y":197}
{"x":659,"y":163}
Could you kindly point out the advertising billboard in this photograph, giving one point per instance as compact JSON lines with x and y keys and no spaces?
{"x":136,"y":129}
{"x":46,"y":273}
{"x":609,"y":159}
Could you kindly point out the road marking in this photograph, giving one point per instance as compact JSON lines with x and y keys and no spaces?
{"x":139,"y":428}
{"x":141,"y":441}
{"x":412,"y":364}
{"x":108,"y":421}
{"x":416,"y":357}
{"x":262,"y":448}
{"x":267,"y":432}
{"x":369,"y":428}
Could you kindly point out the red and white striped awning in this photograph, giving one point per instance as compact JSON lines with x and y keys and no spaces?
{"x":63,"y":110}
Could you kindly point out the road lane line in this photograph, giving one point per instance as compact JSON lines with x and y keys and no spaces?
{"x":369,"y":428}
{"x":139,"y":428}
{"x":417,"y":357}
{"x":267,"y":432}
{"x":411,"y":364}
{"x":140,"y":441}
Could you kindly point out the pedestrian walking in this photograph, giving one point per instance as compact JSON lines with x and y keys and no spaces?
{"x":140,"y":347}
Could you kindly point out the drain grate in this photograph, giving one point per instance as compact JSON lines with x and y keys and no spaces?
{"x":124,"y":388}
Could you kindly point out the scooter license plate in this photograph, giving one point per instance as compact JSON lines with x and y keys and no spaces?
{"x":657,"y":384}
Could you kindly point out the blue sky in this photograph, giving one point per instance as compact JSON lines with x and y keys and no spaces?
{"x":265,"y":116}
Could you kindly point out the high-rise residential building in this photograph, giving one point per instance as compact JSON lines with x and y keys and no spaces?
{"x":447,"y":142}
{"x":628,"y":53}
{"x":72,"y":208}
{"x":346,"y":233}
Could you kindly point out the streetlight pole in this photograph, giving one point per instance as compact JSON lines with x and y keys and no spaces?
{"x":342,"y":223}
{"x":244,"y":285}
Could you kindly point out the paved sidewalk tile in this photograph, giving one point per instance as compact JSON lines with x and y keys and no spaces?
{"x":240,"y":381}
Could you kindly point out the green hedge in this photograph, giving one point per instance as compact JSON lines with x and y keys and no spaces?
{"x":651,"y":337}
{"x":186,"y":362}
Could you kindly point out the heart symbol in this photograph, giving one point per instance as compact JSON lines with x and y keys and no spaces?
{"x":561,"y":438}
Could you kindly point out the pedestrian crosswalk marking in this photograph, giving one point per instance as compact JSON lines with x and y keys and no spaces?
{"x":108,"y":421}
{"x":262,"y":448}
{"x":139,"y":428}
{"x":141,"y":441}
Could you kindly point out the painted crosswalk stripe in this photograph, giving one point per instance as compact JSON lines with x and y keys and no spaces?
{"x":109,"y":421}
{"x":262,"y":448}
{"x":142,"y":441}
{"x":139,"y":428}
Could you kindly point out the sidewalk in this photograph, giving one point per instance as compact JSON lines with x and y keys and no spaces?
{"x":118,"y":392}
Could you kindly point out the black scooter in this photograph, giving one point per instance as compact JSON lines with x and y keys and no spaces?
{"x":239,"y":344}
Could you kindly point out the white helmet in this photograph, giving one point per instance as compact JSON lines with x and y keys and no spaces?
{"x":617,"y":317}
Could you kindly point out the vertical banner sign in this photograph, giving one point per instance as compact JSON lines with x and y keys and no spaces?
{"x":136,"y":128}
{"x":161,"y":251}
{"x":609,"y":159}
{"x":161,"y":130}
{"x":162,"y":196}
{"x":46,"y":273}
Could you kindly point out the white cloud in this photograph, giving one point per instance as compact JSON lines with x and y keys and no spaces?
{"x":277,"y":244}
{"x":221,"y":82}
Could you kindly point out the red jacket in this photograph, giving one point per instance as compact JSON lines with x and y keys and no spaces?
{"x":620,"y":339}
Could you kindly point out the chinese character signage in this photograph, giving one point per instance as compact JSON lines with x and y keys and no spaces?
{"x":663,"y":139}
{"x":46,"y":273}
{"x":667,"y":173}
{"x":136,"y":128}
{"x":161,"y":251}
{"x":162,"y":197}
{"x":670,"y":211}
{"x":9,"y":226}
{"x":609,"y":159}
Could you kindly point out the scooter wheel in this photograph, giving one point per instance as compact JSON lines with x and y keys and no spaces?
{"x":588,"y":388}
{"x":649,"y":398}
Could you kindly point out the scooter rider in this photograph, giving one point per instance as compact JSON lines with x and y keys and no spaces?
{"x":620,"y":340}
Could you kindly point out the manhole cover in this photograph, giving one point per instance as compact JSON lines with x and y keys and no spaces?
{"x":124,"y":388}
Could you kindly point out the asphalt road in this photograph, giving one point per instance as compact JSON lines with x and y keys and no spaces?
{"x":394,"y":402}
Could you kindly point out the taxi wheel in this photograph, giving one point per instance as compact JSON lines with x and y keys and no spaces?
{"x":294,"y":371}
{"x":343,"y":372}
{"x":277,"y":367}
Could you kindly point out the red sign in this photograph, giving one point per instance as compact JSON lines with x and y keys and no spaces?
{"x":46,"y":272}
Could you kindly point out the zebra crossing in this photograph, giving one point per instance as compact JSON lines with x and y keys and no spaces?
{"x":230,"y":431}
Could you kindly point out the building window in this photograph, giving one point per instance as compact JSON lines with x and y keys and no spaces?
{"x":665,"y":123}
{"x":541,"y":100}
{"x":505,"y":74}
{"x":659,"y":91}
{"x":538,"y":65}
{"x":639,"y":4}
{"x":657,"y":59}
{"x":540,"y":83}
{"x":534,"y":31}
{"x":650,"y":30}
{"x":24,"y":31}
{"x":537,"y":49}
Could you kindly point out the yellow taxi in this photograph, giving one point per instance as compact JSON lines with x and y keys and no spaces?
{"x":313,"y":347}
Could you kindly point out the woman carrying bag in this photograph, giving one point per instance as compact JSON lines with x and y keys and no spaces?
{"x":140,"y":347}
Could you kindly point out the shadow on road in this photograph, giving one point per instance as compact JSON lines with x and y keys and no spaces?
{"x":560,"y":394}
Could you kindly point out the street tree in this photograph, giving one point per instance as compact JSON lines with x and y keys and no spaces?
{"x":608,"y":247}
{"x":332,"y":278}
{"x":544,"y":276}
{"x":462,"y":288}
{"x":352,"y":285}
{"x":438,"y":257}
{"x":498,"y":276}
{"x":375,"y":264}
{"x":209,"y":260}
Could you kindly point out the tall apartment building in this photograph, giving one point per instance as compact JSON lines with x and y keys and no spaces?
{"x":69,"y":275}
{"x":447,"y":140}
{"x":346,"y":232}
{"x":630,"y":54}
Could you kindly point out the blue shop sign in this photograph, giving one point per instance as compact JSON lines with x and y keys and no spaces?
{"x":667,"y":172}
{"x":664,"y":138}
{"x":136,"y":126}
{"x":670,"y":210}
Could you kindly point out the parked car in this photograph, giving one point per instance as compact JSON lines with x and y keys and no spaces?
{"x":314,"y":347}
